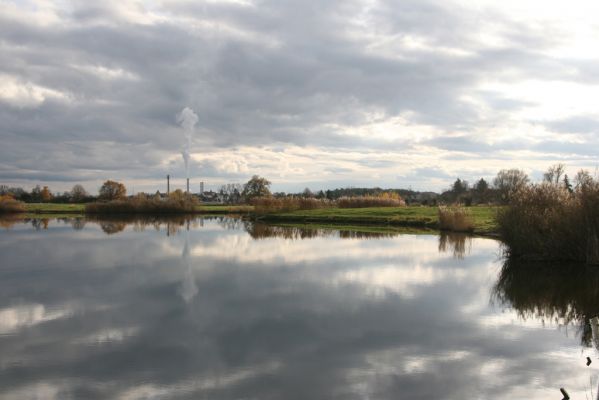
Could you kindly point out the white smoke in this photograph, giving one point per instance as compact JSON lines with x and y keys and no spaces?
{"x":188,"y":120}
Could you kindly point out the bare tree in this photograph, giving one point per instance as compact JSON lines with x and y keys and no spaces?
{"x":508,"y":181}
{"x":554,"y":174}
{"x":78,"y":193}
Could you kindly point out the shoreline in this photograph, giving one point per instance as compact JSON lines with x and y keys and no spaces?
{"x":425,"y":218}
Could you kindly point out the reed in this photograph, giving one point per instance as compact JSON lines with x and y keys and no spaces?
{"x":455,"y":218}
{"x":265,"y":205}
{"x":9,"y":205}
{"x":547,"y":222}
{"x":384,"y":200}
{"x":174,"y":204}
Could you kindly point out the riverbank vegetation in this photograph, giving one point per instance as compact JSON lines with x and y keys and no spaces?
{"x":9,"y":205}
{"x":483,"y":217}
{"x":455,"y":218}
{"x":552,"y":220}
{"x":176,"y":202}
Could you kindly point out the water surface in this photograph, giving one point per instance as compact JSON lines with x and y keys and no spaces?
{"x":224,"y":309}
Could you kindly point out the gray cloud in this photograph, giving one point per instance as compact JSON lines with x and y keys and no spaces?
{"x":301,"y":73}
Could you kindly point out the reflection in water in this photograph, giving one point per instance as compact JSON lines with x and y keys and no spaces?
{"x":213,"y":313}
{"x":259,"y":230}
{"x":457,"y":243}
{"x":188,"y":286}
{"x":560,"y":293}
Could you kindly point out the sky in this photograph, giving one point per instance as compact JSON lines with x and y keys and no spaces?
{"x":319,"y":94}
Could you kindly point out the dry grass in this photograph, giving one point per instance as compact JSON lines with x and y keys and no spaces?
{"x":547,"y":222}
{"x":265,"y":205}
{"x":9,"y":205}
{"x":384,"y":200}
{"x":455,"y":218}
{"x":175,"y":203}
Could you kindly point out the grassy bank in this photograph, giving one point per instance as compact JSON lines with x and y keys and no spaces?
{"x":421,"y":217}
{"x":54,"y":208}
{"x":416,"y":217}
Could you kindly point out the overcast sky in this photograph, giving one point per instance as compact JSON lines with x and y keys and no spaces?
{"x":324,"y":94}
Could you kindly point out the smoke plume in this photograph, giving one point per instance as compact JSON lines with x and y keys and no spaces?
{"x":188,"y":120}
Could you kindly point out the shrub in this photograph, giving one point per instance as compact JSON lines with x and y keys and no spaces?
{"x":9,"y":205}
{"x":263,"y":205}
{"x":177,"y":202}
{"x":382,"y":200}
{"x":547,"y":222}
{"x":455,"y":218}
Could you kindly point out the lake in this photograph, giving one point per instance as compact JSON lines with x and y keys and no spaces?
{"x":219,"y":308}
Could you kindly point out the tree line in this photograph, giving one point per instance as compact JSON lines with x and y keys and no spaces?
{"x":498,"y":191}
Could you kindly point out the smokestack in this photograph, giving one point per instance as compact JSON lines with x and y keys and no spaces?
{"x":168,"y":184}
{"x":201,"y":187}
{"x":187,"y":185}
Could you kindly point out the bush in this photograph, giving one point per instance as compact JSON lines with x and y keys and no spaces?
{"x":455,"y":218}
{"x":382,"y":200}
{"x":9,"y":205}
{"x":263,"y":205}
{"x":176,"y":202}
{"x":547,"y":222}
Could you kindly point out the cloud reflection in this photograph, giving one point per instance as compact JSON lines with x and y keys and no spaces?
{"x":281,"y":317}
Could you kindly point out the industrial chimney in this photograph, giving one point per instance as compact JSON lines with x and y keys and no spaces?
{"x":168,"y":184}
{"x":201,"y":187}
{"x":187,"y":185}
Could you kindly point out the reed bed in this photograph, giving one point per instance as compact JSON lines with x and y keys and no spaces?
{"x":547,"y":222}
{"x":142,"y":204}
{"x":370,"y":201}
{"x":455,"y":218}
{"x":9,"y":205}
{"x":265,"y":205}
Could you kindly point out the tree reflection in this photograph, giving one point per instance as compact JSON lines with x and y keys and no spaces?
{"x":557,"y":292}
{"x":258,"y":230}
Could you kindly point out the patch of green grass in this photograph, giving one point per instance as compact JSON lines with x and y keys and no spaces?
{"x":425,"y":217}
{"x":224,"y":209}
{"x":51,"y":208}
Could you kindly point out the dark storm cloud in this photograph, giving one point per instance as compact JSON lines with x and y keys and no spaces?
{"x":115,"y":75}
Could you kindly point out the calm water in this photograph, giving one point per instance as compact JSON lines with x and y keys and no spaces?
{"x":219,"y":309}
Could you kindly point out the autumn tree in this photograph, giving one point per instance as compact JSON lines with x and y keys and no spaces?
{"x":256,"y":187}
{"x":78,"y":193}
{"x":45,"y":194}
{"x":112,"y":190}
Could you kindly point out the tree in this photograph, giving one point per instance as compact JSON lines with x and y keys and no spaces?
{"x":459,"y":187}
{"x":45,"y":194}
{"x":112,"y":190}
{"x":307,"y":193}
{"x":256,"y":187}
{"x":231,"y":192}
{"x":509,"y":181}
{"x":567,"y":184}
{"x":36,"y":193}
{"x":554,"y":174}
{"x":583,"y":179}
{"x":78,"y":193}
{"x":481,"y":186}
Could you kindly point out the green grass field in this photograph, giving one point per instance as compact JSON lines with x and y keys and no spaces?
{"x":224,"y":209}
{"x":426,"y":217}
{"x":50,"y":208}
{"x":417,"y":217}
